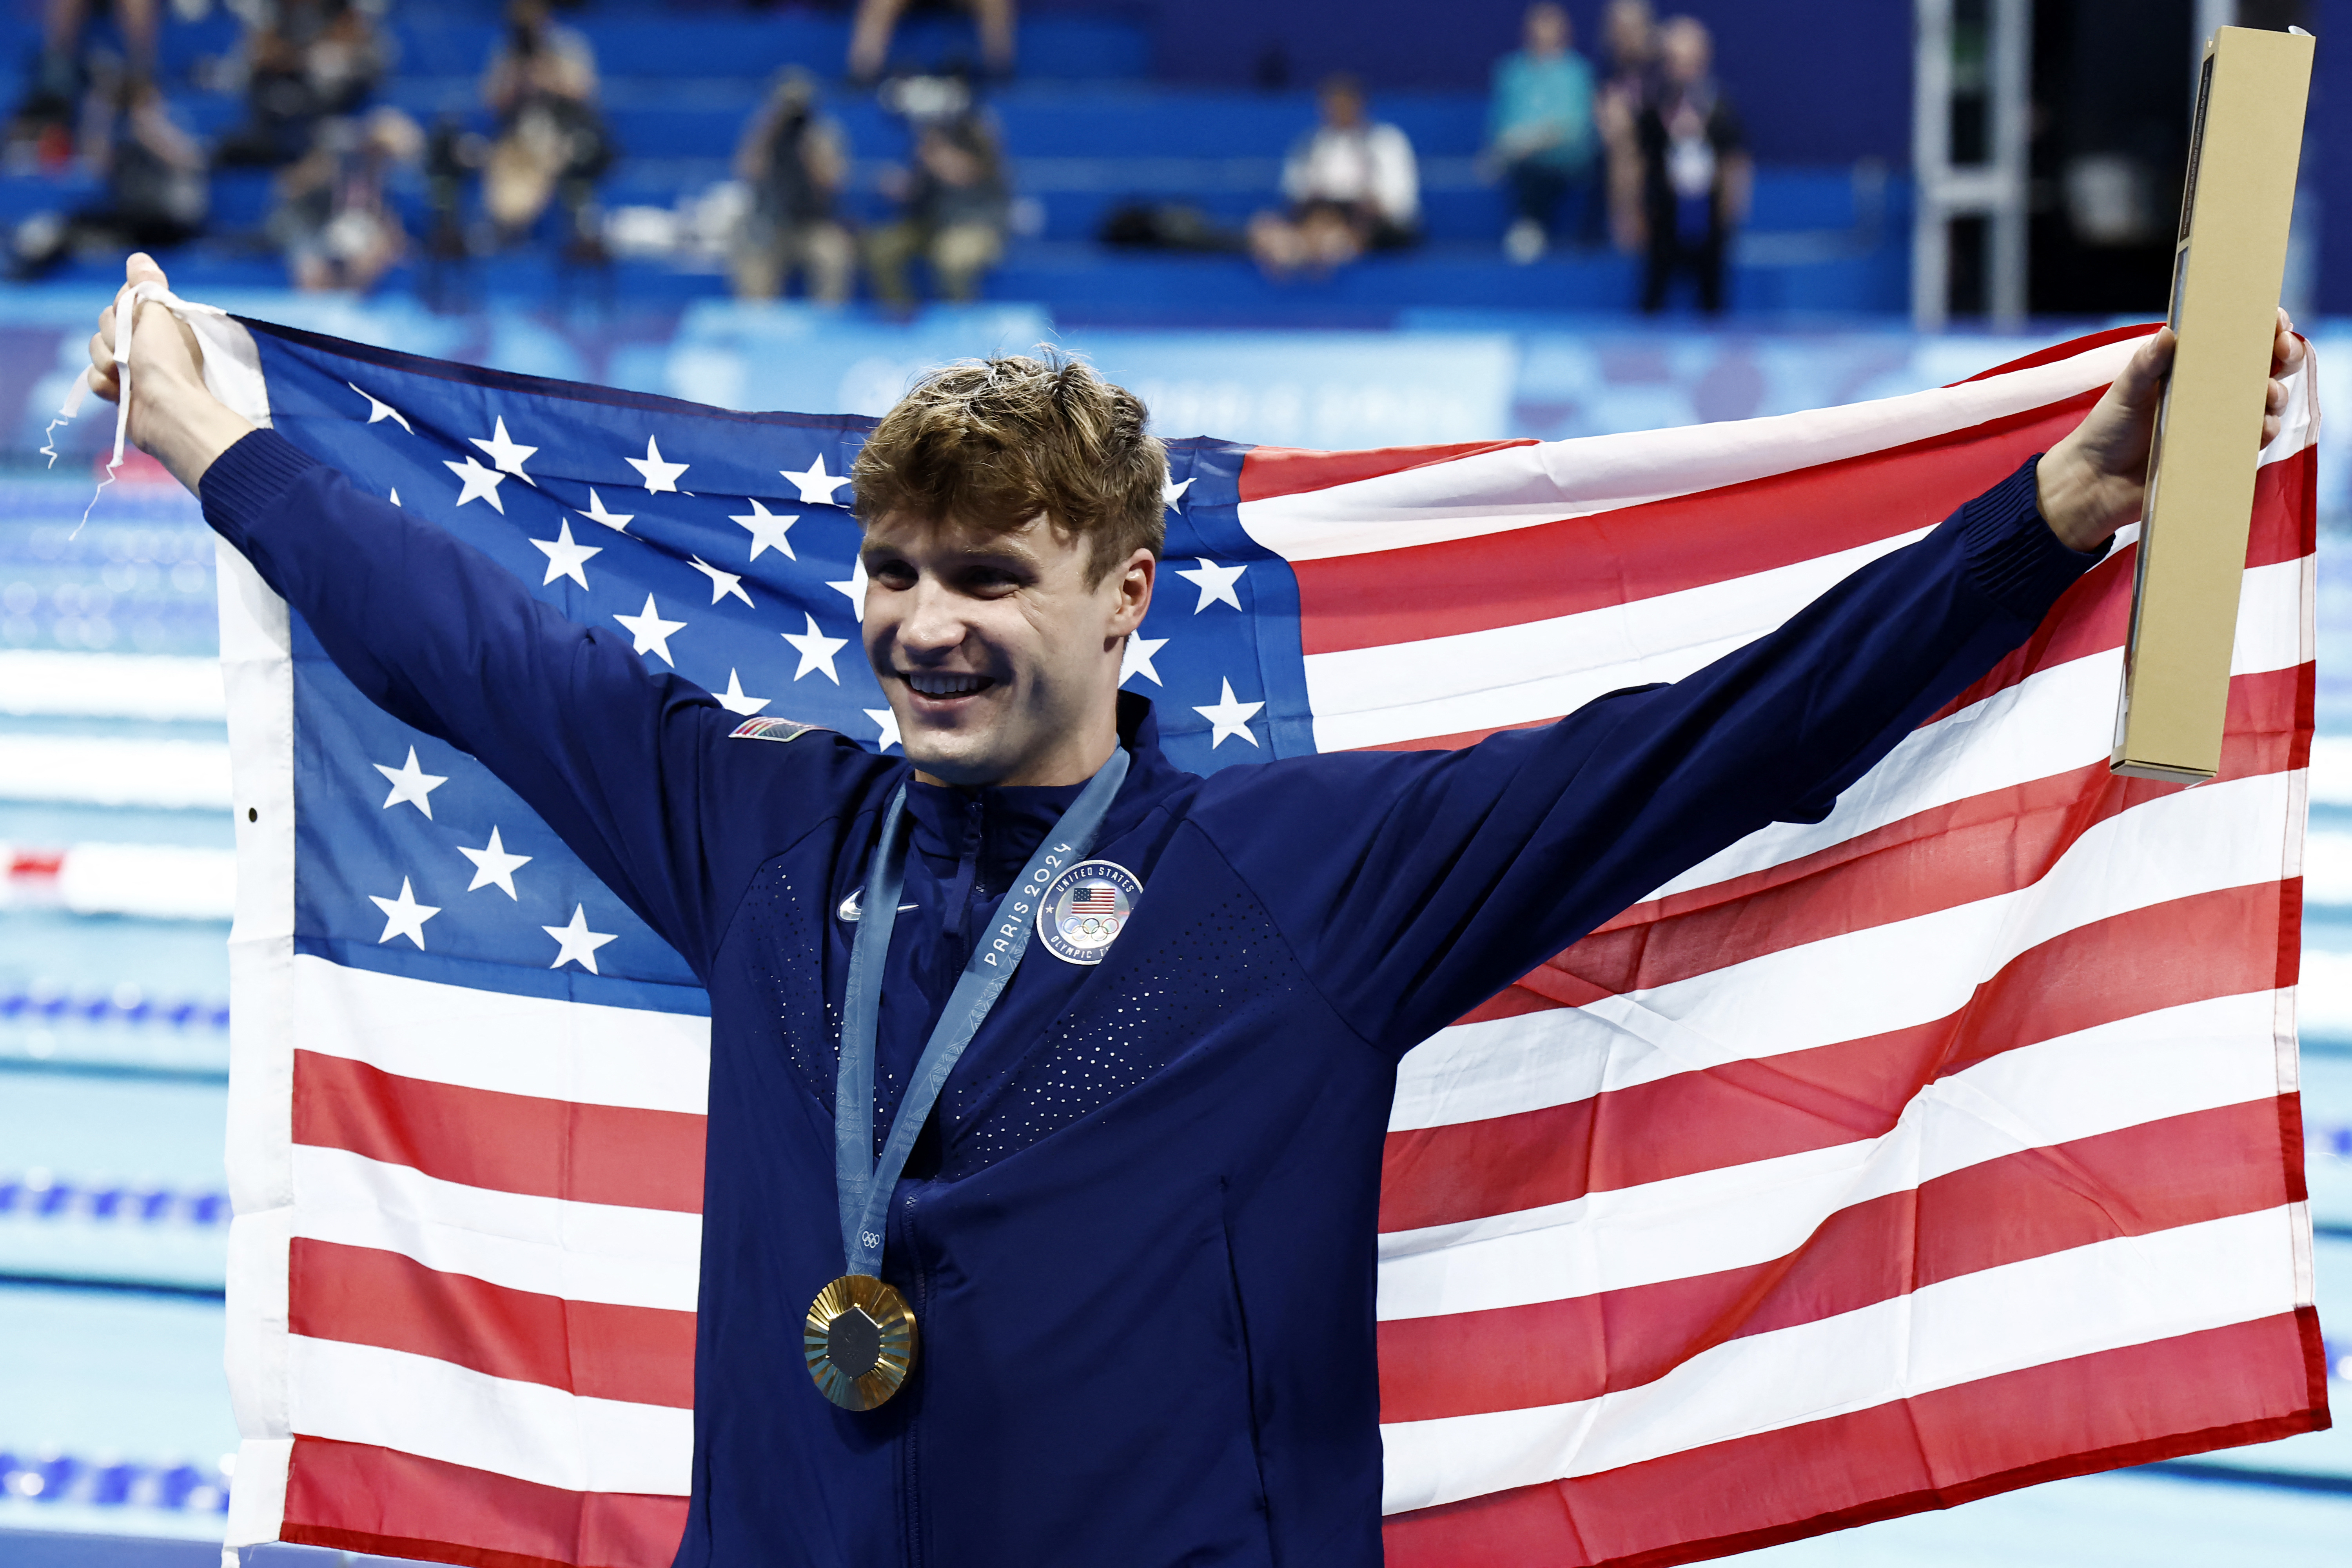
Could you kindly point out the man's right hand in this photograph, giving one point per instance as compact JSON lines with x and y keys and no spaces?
{"x":174,"y":417}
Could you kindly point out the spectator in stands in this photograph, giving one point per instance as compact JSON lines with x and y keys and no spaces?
{"x":551,"y":143}
{"x":1695,"y":170}
{"x":44,"y":120}
{"x":870,"y":33}
{"x":156,"y":190}
{"x":794,"y":160}
{"x":953,"y":211}
{"x":1352,"y":186}
{"x":1631,"y":33}
{"x":334,"y":219}
{"x":305,"y":60}
{"x":1539,"y":133}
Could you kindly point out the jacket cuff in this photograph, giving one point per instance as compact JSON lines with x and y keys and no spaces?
{"x":2013,"y":553}
{"x":246,"y":481}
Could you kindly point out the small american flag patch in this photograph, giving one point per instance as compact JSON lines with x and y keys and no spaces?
{"x":771,"y":730}
{"x":1094,"y":898}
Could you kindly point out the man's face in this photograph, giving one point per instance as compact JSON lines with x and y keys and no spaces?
{"x":1686,"y":50}
{"x":1547,"y":30}
{"x":998,"y":655}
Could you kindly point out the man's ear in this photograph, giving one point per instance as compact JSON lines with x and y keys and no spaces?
{"x":1136,"y":579}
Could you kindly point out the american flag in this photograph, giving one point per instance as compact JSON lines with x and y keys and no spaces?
{"x":1944,"y":1145}
{"x":1094,"y":898}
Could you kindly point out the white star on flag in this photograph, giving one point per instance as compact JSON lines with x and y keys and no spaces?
{"x":411,"y":784}
{"x":617,"y":521}
{"x":651,"y":631}
{"x":565,"y":558}
{"x":481,"y":483}
{"x":506,"y":455}
{"x":493,"y":866}
{"x":768,"y":528}
{"x":1228,"y":718}
{"x":659,"y":476}
{"x":888,"y":720}
{"x":816,"y":650}
{"x":816,"y":486}
{"x":1135,"y":658}
{"x":735,"y":702}
{"x":721,"y":583}
{"x":1172,"y":493}
{"x":404,"y":916}
{"x":396,"y":496}
{"x":1216,"y":582}
{"x":379,"y":410}
{"x":577,"y":940}
{"x":853,"y":587}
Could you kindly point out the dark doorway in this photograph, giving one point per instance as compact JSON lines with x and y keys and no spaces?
{"x":2111,"y":105}
{"x":2112,"y":80}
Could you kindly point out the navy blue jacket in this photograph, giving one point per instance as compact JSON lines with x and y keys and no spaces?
{"x":1138,"y":1233}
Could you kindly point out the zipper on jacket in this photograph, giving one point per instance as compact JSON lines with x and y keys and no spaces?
{"x":911,"y":1469}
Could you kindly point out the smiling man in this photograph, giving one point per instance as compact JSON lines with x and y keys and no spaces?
{"x":1049,"y":1082}
{"x":1008,"y":567}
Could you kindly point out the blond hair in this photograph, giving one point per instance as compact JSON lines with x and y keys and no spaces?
{"x":994,"y":443}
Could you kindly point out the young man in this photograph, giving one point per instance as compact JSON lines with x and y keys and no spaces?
{"x":1134,"y":1237}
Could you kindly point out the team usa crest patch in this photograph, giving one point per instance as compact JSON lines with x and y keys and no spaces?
{"x":1085,"y":909}
{"x":771,"y":730}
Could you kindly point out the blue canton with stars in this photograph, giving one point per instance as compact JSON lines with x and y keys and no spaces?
{"x":723,"y":546}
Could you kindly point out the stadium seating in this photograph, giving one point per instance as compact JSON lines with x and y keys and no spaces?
{"x":1088,"y":132}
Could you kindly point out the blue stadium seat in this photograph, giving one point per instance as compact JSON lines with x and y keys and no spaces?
{"x":1086,"y":132}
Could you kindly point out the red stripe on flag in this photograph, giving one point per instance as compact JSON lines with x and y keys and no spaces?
{"x":508,"y":1143}
{"x":2183,"y":1170}
{"x":2082,"y":622}
{"x":2089,"y":617}
{"x":1660,"y":547}
{"x":1975,"y":848}
{"x":2248,"y":1383}
{"x":362,"y":1296}
{"x":2057,"y":352}
{"x":2285,"y":524}
{"x":2187,"y":950}
{"x":2264,"y":733}
{"x":358,"y":1498}
{"x":1270,"y":471}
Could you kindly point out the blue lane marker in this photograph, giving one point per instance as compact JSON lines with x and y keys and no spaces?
{"x":112,"y":1483}
{"x":40,"y":1195}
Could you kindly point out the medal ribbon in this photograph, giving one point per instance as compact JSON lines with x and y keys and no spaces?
{"x":863,"y":1183}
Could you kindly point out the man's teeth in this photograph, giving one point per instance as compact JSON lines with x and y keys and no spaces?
{"x":947,"y":685}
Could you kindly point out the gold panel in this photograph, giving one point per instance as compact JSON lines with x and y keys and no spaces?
{"x":2200,"y":486}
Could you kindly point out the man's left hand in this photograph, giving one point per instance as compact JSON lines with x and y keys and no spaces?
{"x":2094,"y":482}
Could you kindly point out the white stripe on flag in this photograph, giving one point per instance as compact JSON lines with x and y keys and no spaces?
{"x":576,"y":1051}
{"x":2199,"y":1057}
{"x":2058,"y":719}
{"x":1857,"y":984}
{"x":1542,"y":669}
{"x":1519,"y":487}
{"x":2127,"y":1291}
{"x":362,"y":1393}
{"x":582,"y":1252}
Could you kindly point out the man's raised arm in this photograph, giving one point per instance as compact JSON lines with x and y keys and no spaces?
{"x":621,"y":762}
{"x":1414,"y":885}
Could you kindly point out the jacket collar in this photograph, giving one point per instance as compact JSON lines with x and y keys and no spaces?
{"x":1013,"y":820}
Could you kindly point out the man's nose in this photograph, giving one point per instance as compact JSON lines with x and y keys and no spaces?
{"x":934,"y":621}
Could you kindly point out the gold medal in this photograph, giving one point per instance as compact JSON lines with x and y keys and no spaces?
{"x":860,"y":1341}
